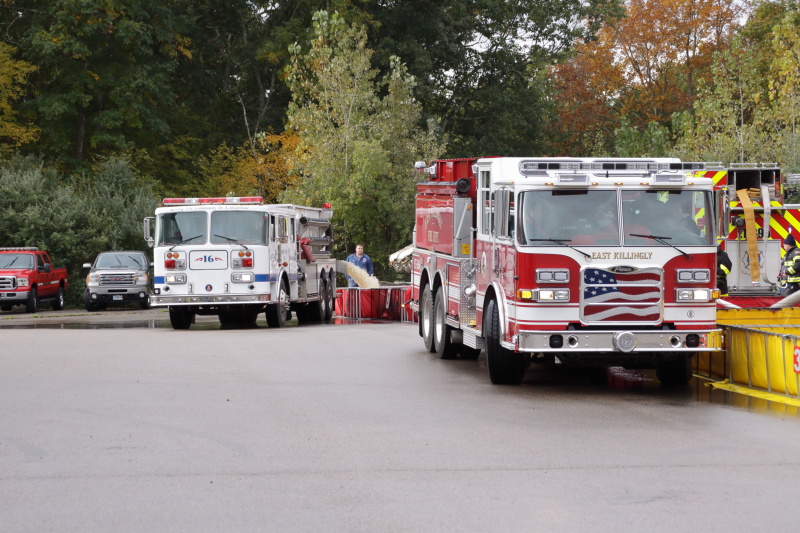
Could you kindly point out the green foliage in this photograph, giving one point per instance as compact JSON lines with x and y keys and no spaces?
{"x":652,"y":142}
{"x":73,"y":219}
{"x":357,"y":146}
{"x":13,"y":132}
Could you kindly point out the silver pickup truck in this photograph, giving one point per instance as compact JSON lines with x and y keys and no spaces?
{"x":118,"y":277}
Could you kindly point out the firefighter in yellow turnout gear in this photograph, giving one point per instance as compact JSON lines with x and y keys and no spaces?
{"x":723,"y":269}
{"x":791,"y":263}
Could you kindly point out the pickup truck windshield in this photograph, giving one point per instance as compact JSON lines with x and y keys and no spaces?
{"x":241,"y":227}
{"x":121,"y":260}
{"x":16,"y":261}
{"x":174,"y":228}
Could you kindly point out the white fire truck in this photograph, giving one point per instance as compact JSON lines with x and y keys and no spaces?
{"x":238,"y":257}
{"x":566,"y":260}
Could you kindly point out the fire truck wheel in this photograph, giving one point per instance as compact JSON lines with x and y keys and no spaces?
{"x":330,"y":296}
{"x":277,"y":313}
{"x":32,"y":303}
{"x":58,"y":303}
{"x":505,"y":367}
{"x":180,"y":317}
{"x":445,"y":349}
{"x":226,"y":319}
{"x":675,"y":372}
{"x":426,"y":318}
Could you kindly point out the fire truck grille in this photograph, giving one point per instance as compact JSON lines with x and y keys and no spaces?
{"x":621,"y":295}
{"x":8,"y":283}
{"x":117,"y":279}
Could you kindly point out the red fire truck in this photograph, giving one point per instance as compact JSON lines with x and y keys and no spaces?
{"x":583,"y":261}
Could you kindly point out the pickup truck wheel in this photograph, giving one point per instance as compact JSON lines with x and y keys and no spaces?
{"x":675,"y":372}
{"x":426,"y":319}
{"x":276,"y":313}
{"x":505,"y":367}
{"x":145,"y":304}
{"x":5,"y":308}
{"x":88,"y":303}
{"x":32,"y":303}
{"x":180,"y":317}
{"x":58,"y":303}
{"x":445,"y":349}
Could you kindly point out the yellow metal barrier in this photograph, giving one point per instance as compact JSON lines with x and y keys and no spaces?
{"x":760,"y":351}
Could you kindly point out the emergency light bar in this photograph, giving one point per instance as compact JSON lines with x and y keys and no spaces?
{"x":669,"y":179}
{"x":228,"y":200}
{"x":573,"y":180}
{"x":536,"y":168}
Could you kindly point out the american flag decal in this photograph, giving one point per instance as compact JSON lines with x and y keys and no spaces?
{"x":622,"y":294}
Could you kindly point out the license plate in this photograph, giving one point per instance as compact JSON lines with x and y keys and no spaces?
{"x":118,"y":297}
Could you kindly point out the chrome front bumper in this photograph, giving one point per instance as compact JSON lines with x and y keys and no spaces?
{"x":622,"y":341}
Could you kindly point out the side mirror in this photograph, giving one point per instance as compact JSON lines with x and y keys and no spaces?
{"x":148,"y":233}
{"x":47,"y":267}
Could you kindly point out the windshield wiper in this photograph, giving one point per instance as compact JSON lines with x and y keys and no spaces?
{"x":185,"y":241}
{"x":135,"y":260}
{"x":662,"y":240}
{"x":231,"y":240}
{"x":562,"y":242}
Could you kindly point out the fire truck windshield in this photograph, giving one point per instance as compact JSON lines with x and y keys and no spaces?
{"x":679,"y":216}
{"x":240,"y":227}
{"x":578,"y":217}
{"x":175,"y":228}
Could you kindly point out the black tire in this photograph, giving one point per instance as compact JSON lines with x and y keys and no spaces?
{"x":330,"y":296}
{"x":145,"y":304}
{"x":88,"y":303}
{"x":58,"y":303}
{"x":675,"y":372}
{"x":33,"y":301}
{"x":5,"y":307}
{"x":444,"y":348}
{"x":276,"y":313}
{"x":505,"y":367}
{"x":180,"y":317}
{"x":426,"y":318}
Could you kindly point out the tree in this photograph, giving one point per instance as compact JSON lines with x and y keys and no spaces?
{"x":480,"y":64}
{"x":73,"y":217}
{"x":647,"y":65}
{"x":357,"y":147}
{"x":263,"y":168}
{"x":13,"y":74}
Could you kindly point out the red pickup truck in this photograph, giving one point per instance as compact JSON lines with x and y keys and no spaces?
{"x":27,"y":277}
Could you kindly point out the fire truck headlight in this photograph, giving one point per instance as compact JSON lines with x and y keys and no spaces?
{"x":701,"y":275}
{"x":694,"y":295}
{"x":550,"y":275}
{"x":551,"y":295}
{"x":242,"y":277}
{"x":175,"y":278}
